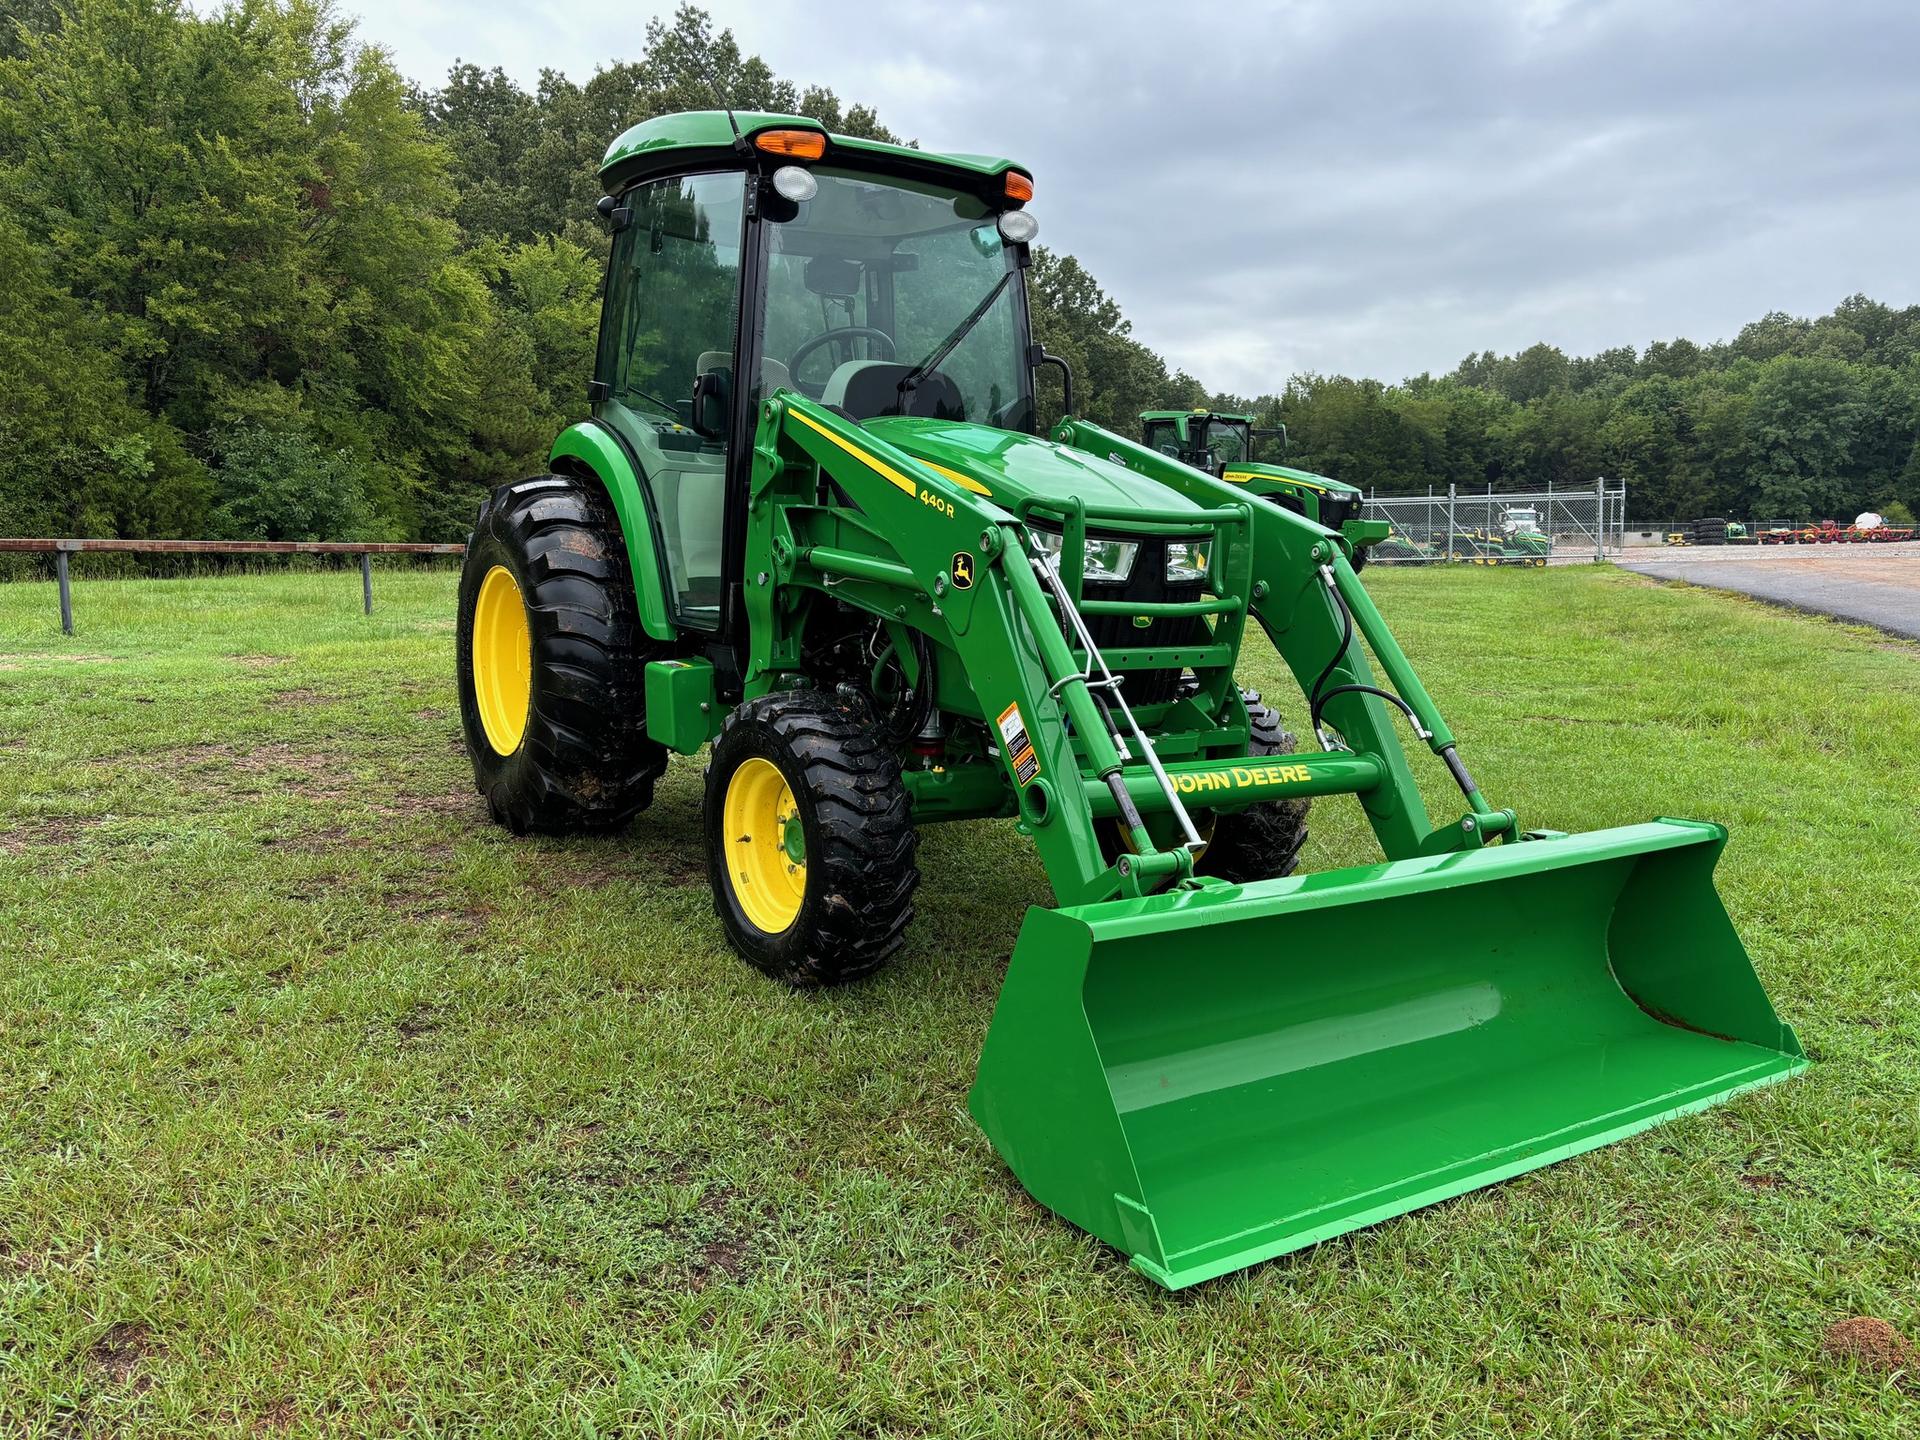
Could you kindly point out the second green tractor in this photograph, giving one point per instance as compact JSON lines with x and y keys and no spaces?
{"x":1223,"y":445}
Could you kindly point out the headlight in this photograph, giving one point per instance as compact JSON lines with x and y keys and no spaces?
{"x":1187,"y":560}
{"x":1017,"y":227}
{"x":1107,"y":561}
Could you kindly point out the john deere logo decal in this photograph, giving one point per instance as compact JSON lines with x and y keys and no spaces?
{"x":962,"y":570}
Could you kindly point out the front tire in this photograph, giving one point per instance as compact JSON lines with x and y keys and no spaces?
{"x":810,"y":839}
{"x":1263,"y":841}
{"x":552,"y":662}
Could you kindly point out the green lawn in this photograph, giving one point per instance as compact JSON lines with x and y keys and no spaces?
{"x":333,"y":1109}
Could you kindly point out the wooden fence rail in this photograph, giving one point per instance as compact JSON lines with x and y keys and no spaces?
{"x":366,"y":550}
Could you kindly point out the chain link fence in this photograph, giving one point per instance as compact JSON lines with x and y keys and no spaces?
{"x":1509,"y":529}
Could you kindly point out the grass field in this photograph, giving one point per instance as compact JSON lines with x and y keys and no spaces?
{"x":329,"y":1108}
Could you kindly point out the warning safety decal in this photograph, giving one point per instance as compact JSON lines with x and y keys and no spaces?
{"x":1013,"y":735}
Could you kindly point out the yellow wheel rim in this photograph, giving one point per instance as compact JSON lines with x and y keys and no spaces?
{"x":765,"y":846}
{"x":502,"y":660}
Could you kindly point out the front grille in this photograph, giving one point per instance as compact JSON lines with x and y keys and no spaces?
{"x":1148,"y":584}
{"x":1336,"y":510}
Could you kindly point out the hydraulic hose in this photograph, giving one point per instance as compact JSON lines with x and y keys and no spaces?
{"x":1319,"y":696}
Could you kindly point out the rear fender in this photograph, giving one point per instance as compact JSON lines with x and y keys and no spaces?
{"x":591,"y":451}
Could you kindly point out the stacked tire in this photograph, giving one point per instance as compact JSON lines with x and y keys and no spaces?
{"x":1710,"y":532}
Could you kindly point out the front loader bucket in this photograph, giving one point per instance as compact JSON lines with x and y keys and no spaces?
{"x":1208,"y":1078}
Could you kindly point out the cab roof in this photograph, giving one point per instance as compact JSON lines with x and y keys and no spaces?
{"x":1197,"y":413}
{"x":704,"y":138}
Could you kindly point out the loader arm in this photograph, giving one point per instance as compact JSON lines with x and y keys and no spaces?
{"x":1298,"y":566}
{"x":893,"y":551}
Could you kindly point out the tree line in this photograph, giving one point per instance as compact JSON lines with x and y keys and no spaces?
{"x":1793,"y":419}
{"x":260,"y":285}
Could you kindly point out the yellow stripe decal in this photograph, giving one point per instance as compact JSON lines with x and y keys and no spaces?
{"x":965,"y":482}
{"x":871,"y":462}
{"x":1243,"y":476}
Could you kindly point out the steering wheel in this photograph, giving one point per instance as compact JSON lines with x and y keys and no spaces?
{"x":828,"y":337}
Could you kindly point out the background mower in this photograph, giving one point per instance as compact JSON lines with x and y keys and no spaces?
{"x":810,"y":524}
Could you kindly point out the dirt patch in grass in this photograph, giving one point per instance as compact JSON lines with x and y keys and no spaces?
{"x":312,"y":842}
{"x":718,"y":1260}
{"x":309,"y":774}
{"x":1872,"y":1343}
{"x":120,"y":1354}
{"x":12,"y":661}
{"x":429,"y":897}
{"x":1583,"y":720}
{"x":304,"y":696}
{"x":682,"y":867}
{"x":54,"y":832}
{"x":421,"y":1020}
{"x":430,"y":712}
{"x":462,"y":803}
{"x":263,"y":662}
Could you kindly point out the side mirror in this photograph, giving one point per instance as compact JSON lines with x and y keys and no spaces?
{"x":1037,"y":358}
{"x":712,"y":399}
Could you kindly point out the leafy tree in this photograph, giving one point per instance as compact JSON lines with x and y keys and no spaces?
{"x":27,"y":17}
{"x":1115,"y":376}
{"x":76,"y":456}
{"x":1803,"y":423}
{"x":1537,"y":371}
{"x":280,"y":485}
{"x":1612,"y":367}
{"x":489,"y":126}
{"x":1676,"y":359}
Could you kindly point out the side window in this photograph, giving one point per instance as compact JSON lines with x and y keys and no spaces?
{"x":673,"y":293}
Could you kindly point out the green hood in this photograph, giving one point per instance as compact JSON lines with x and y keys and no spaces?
{"x":1251,"y":470}
{"x":1011,"y":467}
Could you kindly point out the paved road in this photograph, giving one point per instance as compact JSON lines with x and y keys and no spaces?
{"x":1871,"y":584}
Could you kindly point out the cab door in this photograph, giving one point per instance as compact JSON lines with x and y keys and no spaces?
{"x":668,"y":342}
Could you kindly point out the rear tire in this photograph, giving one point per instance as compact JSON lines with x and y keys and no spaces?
{"x":1263,"y":841}
{"x":557,"y":730}
{"x":810,"y":839}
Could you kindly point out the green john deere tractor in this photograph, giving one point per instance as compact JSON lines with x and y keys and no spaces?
{"x":1222,"y":445}
{"x":810,"y":524}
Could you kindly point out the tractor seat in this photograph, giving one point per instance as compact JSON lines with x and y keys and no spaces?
{"x":775,"y":375}
{"x":866,"y":389}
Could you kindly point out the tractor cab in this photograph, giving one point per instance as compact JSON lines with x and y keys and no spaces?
{"x":1203,"y":439}
{"x":875,"y":280}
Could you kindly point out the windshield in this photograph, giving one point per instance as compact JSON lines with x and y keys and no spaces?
{"x":1230,"y":441}
{"x":893,"y":297}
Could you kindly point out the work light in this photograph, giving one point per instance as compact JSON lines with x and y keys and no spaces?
{"x":1107,"y":561}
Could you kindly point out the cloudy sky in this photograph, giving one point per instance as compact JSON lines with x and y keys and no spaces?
{"x":1369,"y":188}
